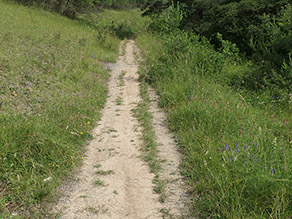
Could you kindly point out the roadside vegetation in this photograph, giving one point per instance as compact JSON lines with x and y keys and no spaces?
{"x":261,"y":31}
{"x":52,"y":86}
{"x":224,"y":81}
{"x":150,"y":146}
{"x":236,"y":140}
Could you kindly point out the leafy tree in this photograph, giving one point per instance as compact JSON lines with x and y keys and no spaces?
{"x":123,"y":4}
{"x":261,"y":29}
{"x":69,"y":8}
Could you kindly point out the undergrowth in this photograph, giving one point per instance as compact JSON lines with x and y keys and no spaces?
{"x":237,"y":155}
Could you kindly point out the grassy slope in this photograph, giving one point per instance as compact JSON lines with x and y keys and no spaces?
{"x":231,"y":181}
{"x":52,"y":86}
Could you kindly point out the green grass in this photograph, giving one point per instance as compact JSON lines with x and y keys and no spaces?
{"x":93,"y":210}
{"x":112,"y":130}
{"x":251,"y":177}
{"x":99,"y":182}
{"x":104,"y":172}
{"x":124,"y":47}
{"x":119,"y":100}
{"x":121,"y":78}
{"x":144,"y":117}
{"x":52,"y":87}
{"x":97,"y":166}
{"x":101,"y":210}
{"x":150,"y":146}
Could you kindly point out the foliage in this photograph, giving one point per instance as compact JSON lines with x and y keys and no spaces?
{"x":237,"y":21}
{"x":237,"y":158}
{"x":273,"y":52}
{"x":260,"y":29}
{"x":69,"y":8}
{"x":168,"y":21}
{"x":122,"y":4}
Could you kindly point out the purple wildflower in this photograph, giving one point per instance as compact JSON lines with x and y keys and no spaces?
{"x":226,"y":146}
{"x":272,"y":170}
{"x":245,"y":148}
{"x":265,"y":167}
{"x":235,"y":145}
{"x":237,"y":151}
{"x":259,"y":160}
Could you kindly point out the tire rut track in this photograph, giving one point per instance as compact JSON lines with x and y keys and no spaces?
{"x":113,"y":181}
{"x":127,"y":192}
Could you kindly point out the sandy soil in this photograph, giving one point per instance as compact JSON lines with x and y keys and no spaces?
{"x":113,"y":181}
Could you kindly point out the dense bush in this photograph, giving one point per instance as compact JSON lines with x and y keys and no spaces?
{"x":261,"y":29}
{"x":237,"y":21}
{"x":272,"y":51}
{"x":69,"y":8}
{"x":122,"y":4}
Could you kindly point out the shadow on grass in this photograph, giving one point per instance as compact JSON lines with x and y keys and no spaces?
{"x":122,"y":34}
{"x":120,"y":30}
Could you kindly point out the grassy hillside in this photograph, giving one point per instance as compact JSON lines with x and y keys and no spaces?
{"x":52,"y":87}
{"x":236,"y":155}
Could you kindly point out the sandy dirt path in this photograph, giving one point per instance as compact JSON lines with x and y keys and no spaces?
{"x":114,"y":182}
{"x":122,"y":188}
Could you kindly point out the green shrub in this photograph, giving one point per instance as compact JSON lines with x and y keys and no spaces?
{"x":273,"y":53}
{"x":260,"y":29}
{"x":251,"y":177}
{"x":69,"y":8}
{"x":168,"y":21}
{"x":122,"y":4}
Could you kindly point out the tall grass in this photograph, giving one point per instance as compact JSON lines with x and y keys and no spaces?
{"x":237,"y":155}
{"x":52,"y":87}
